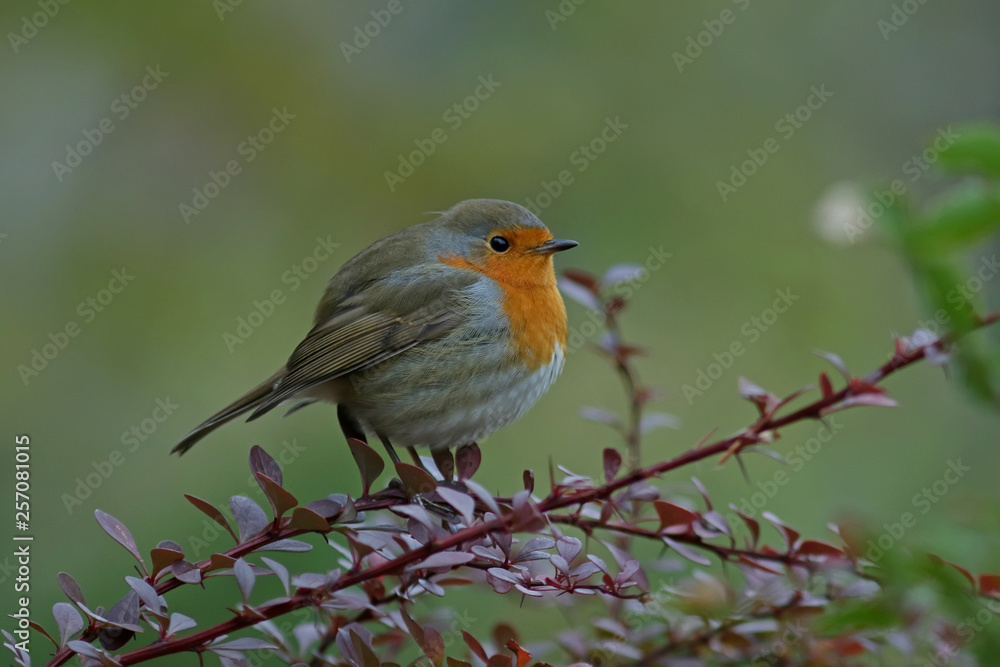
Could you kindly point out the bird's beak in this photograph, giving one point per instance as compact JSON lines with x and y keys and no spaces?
{"x":553,"y":245}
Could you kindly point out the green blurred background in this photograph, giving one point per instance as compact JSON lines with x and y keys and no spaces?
{"x":323,"y":176}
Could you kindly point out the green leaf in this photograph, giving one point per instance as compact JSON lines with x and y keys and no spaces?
{"x":857,"y":615}
{"x":961,"y":218}
{"x":976,"y":149}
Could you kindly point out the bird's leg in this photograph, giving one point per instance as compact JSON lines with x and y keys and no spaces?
{"x":352,"y":430}
{"x":388,"y":447}
{"x":415,"y":456}
{"x":349,"y":425}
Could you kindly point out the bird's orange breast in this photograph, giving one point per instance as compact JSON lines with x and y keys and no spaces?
{"x":531,"y":301}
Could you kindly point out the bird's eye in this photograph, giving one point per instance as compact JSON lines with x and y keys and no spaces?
{"x":499,"y":244}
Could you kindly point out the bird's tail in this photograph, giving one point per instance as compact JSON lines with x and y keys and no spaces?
{"x":241,"y":405}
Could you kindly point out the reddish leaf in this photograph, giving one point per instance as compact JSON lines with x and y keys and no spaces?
{"x":817,"y":548}
{"x":369,"y":463}
{"x":528,"y":478}
{"x":612,"y":463}
{"x":765,"y":401}
{"x":790,"y":534}
{"x":673,"y":515}
{"x":280,"y":499}
{"x":475,"y":646}
{"x":213,"y":513}
{"x":751,"y":523}
{"x":163,"y":558}
{"x":760,"y":565}
{"x":221,"y":562}
{"x":965,"y":572}
{"x":989,"y":584}
{"x":582,"y":278}
{"x":415,"y":480}
{"x":468,"y":458}
{"x":825,"y":386}
{"x":304,"y":518}
{"x":522,"y":657}
{"x":445,"y":462}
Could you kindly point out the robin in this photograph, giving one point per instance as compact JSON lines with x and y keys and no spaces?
{"x":434,"y":336}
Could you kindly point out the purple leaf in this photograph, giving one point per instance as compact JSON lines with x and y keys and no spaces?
{"x":444,"y":559}
{"x":836,"y":362}
{"x":245,"y":578}
{"x":580,"y":294}
{"x":179,"y":623}
{"x":483,"y":495}
{"x":658,"y":420}
{"x":68,"y":620}
{"x":686,"y":552}
{"x":620,"y":273}
{"x":462,"y":502}
{"x":70,"y":587}
{"x":245,"y":644}
{"x":262,"y":463}
{"x":280,"y":570}
{"x":568,"y":548}
{"x":601,"y":416}
{"x":147,"y":594}
{"x":250,"y":518}
{"x":467,"y":459}
{"x":186,"y":572}
{"x":287,"y":545}
{"x":117,"y":530}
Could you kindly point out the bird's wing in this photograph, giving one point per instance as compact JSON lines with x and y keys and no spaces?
{"x":364,"y":330}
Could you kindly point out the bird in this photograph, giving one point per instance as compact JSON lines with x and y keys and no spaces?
{"x":432,"y":337}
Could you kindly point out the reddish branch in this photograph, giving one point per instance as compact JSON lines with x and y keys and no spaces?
{"x":560,"y":498}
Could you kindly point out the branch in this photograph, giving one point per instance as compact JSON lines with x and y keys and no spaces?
{"x":525,"y":515}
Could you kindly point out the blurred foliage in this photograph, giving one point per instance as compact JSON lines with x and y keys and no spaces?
{"x":937,"y":238}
